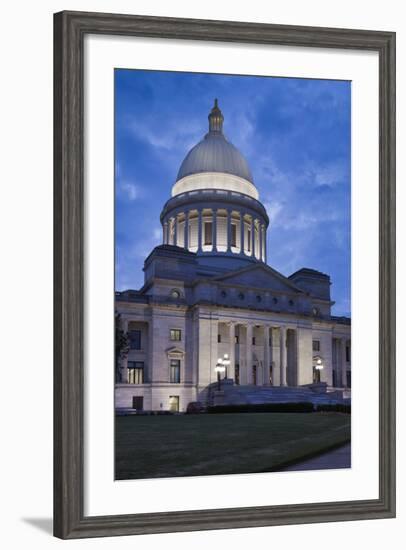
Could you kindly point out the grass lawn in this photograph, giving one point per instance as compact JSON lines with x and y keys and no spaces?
{"x":208,"y":444}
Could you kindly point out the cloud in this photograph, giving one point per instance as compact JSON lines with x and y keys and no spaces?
{"x":128,"y":190}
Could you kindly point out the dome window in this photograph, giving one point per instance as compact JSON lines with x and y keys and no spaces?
{"x":175,"y":294}
{"x":241,"y":296}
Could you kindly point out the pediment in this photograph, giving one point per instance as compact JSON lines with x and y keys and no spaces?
{"x":260,"y":276}
{"x":175,"y":352}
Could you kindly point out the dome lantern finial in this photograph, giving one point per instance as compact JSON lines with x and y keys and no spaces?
{"x":216,"y":119}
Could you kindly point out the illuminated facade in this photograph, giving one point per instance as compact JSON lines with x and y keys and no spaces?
{"x":209,"y":293}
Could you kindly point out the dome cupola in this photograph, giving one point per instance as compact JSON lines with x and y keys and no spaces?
{"x":215,"y":163}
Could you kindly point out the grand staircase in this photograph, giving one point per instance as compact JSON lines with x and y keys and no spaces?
{"x":231,"y":394}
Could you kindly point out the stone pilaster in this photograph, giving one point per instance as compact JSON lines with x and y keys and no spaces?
{"x":343,"y":342}
{"x":231,"y":352}
{"x":282,"y":344}
{"x":267,"y":359}
{"x":248,"y":354}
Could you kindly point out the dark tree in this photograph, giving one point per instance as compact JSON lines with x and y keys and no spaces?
{"x":121,"y":345}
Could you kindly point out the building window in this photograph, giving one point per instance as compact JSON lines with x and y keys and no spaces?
{"x":237,"y":374}
{"x":253,"y":340}
{"x":291,"y":302}
{"x":275,"y":300}
{"x":237,"y":339}
{"x":348,"y":379}
{"x":219,"y":338}
{"x":208,"y":233}
{"x":175,"y":294}
{"x":135,"y":339}
{"x":316,"y":345}
{"x":347,"y":354}
{"x":233,"y":234}
{"x":174,"y":403}
{"x":270,"y":341}
{"x":175,"y":334}
{"x":254,"y":375}
{"x":223,"y":293}
{"x":135,"y":372}
{"x":249,"y":240}
{"x":258,"y":298}
{"x":241,"y":296}
{"x":175,"y":371}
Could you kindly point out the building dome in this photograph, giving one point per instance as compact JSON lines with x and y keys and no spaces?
{"x":214,"y":210}
{"x":215,"y":153}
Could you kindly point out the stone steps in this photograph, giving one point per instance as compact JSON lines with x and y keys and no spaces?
{"x":277,"y":394}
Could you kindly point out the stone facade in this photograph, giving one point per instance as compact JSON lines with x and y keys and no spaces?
{"x":209,"y":293}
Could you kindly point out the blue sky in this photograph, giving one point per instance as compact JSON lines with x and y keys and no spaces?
{"x":295,"y":135}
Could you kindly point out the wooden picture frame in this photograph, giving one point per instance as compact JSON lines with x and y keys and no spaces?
{"x":70,"y":29}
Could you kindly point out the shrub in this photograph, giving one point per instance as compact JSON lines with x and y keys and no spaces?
{"x":195,"y":407}
{"x":336,"y":407}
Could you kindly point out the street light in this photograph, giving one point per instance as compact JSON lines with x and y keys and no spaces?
{"x":318,"y":367}
{"x":226,"y":363}
{"x":220,"y":367}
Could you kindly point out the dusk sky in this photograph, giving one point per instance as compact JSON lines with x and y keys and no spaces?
{"x":295,"y":135}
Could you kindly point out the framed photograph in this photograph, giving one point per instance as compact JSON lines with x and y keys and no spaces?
{"x":224,"y":275}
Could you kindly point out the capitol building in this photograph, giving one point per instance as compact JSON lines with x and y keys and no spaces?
{"x":214,"y":322}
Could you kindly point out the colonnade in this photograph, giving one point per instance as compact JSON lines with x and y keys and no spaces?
{"x":241,"y":352}
{"x":224,"y":230}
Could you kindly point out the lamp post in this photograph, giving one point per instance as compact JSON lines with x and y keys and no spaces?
{"x":319,"y":367}
{"x":226,"y":363}
{"x":219,"y":369}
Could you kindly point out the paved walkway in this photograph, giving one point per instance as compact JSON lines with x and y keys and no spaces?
{"x":338,"y":458}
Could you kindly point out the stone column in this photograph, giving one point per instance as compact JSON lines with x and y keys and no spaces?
{"x":186,"y":237}
{"x":260,"y":240}
{"x":175,"y":230}
{"x":343,"y":363}
{"x":228,"y":230}
{"x":241,"y":233}
{"x":199,"y":230}
{"x":267,"y":360}
{"x":282,"y":343}
{"x":304,"y":354}
{"x":248,"y":355}
{"x":252,"y":236}
{"x":164,"y":233}
{"x":265,"y":254}
{"x":214,"y":230}
{"x":231,"y":352}
{"x":124,"y":360}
